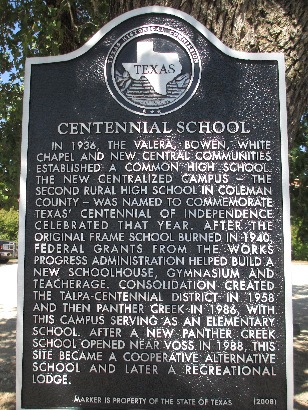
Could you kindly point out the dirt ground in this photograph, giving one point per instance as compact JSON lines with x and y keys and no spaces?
{"x":7,"y":363}
{"x":8,"y":303}
{"x":300,"y":313}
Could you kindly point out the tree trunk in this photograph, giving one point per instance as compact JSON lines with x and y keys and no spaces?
{"x":253,"y":26}
{"x":68,"y":25}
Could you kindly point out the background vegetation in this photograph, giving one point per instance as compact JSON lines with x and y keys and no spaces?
{"x":39,"y":28}
{"x":9,"y":224}
{"x":298,"y":160}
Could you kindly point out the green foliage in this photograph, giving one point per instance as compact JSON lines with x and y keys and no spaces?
{"x":299,"y":248}
{"x":9,"y":224}
{"x":31,"y":28}
{"x":10,"y":137}
{"x":299,"y":192}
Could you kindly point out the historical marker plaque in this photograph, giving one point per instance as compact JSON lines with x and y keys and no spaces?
{"x":154,"y":211}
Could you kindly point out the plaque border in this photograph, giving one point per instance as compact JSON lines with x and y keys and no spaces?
{"x":278,"y":57}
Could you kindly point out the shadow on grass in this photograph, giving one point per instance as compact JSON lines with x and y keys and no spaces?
{"x":7,"y":364}
{"x":300,"y":315}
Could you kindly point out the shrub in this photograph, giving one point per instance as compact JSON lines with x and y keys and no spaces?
{"x":9,"y":224}
{"x":299,"y":247}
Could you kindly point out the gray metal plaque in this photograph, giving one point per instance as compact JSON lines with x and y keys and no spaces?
{"x":154,"y":241}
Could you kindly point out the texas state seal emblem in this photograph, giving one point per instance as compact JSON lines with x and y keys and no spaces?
{"x":153,"y":70}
